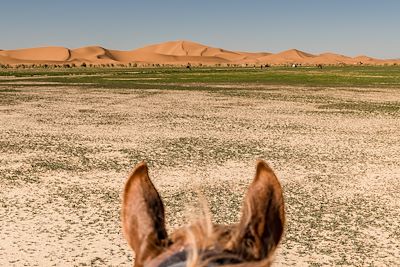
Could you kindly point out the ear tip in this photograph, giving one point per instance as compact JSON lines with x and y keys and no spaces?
{"x":139,"y":171}
{"x":262,"y":165}
{"x":141,"y":164}
{"x":140,"y":168}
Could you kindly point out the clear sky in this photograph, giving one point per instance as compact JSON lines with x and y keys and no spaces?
{"x":350,"y":27}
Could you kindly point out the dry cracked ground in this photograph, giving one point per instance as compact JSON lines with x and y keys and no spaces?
{"x":65,"y":153}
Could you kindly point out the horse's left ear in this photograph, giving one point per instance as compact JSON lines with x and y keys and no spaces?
{"x":142,"y":215}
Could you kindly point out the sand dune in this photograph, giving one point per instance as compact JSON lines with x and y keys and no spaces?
{"x":369,"y":60}
{"x":41,"y":54}
{"x":331,"y":59}
{"x":184,"y":52}
{"x":289,"y":56}
{"x":176,"y":53}
{"x":91,"y":54}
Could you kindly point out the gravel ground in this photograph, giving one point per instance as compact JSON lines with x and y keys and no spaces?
{"x":66,"y":152}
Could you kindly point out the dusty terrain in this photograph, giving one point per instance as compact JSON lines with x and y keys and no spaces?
{"x":177,"y":53}
{"x":65,"y":153}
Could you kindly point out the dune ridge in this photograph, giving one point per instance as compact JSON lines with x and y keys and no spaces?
{"x":179,"y":52}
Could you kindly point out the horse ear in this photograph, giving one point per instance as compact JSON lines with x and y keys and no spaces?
{"x":142,"y":215}
{"x":262,"y":223}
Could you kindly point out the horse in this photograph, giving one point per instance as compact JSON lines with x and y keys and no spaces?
{"x":249,"y":243}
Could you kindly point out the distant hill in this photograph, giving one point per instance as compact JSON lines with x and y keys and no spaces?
{"x":176,"y":53}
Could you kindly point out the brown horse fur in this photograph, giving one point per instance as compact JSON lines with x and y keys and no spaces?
{"x":252,"y":241}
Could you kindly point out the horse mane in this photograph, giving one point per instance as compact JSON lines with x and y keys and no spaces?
{"x":200,"y":234}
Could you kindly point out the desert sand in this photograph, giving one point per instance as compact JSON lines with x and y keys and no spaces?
{"x":177,"y":53}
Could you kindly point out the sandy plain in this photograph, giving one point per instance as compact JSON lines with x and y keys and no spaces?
{"x":65,"y":153}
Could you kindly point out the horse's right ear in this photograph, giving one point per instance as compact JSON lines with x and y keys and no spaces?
{"x":142,"y":215}
{"x":262,"y":223}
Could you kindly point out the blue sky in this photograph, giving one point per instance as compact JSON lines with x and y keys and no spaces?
{"x":351,"y":27}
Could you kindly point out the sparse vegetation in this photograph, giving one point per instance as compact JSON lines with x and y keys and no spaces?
{"x":111,"y":76}
{"x":331,"y":134}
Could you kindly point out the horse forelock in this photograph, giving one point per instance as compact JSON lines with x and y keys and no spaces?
{"x":207,"y":258}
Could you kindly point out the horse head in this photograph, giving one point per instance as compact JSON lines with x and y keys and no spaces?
{"x":251,"y":242}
